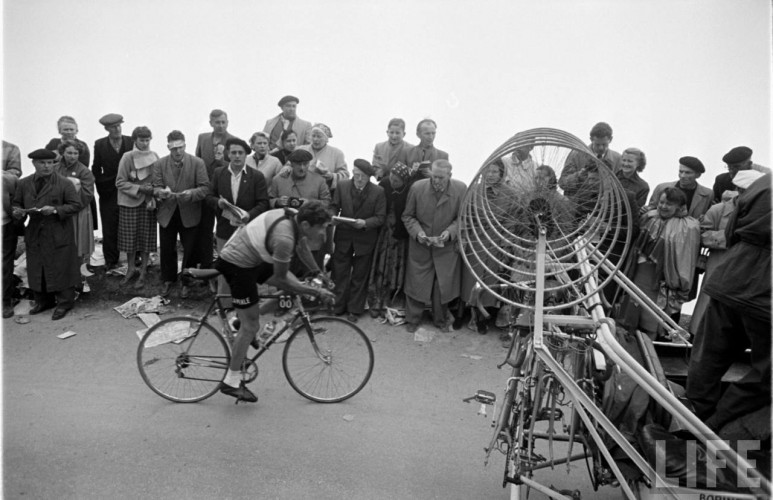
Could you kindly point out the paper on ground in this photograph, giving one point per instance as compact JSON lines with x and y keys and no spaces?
{"x":149,"y":319}
{"x":141,"y":305}
{"x":66,"y":335}
{"x":423,"y":335}
{"x":171,"y":332}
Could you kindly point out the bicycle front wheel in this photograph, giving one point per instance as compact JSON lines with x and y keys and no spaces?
{"x":328,"y":360}
{"x":183,"y":359}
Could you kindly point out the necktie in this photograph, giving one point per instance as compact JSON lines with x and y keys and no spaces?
{"x":39,"y":183}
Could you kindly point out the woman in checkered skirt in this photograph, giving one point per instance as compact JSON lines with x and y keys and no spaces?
{"x":137,"y":226}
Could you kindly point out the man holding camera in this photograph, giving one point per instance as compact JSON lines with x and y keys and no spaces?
{"x":300,"y":186}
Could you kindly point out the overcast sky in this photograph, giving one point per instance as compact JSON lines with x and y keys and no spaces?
{"x":672,"y":77}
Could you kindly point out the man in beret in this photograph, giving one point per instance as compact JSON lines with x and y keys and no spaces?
{"x":699,"y":198}
{"x":180,"y":183}
{"x":301,"y":185}
{"x":211,"y":147}
{"x":575,"y":167}
{"x":737,"y":159}
{"x":51,"y":201}
{"x":359,"y":199}
{"x":239,"y":186}
{"x":287,"y":119}
{"x":107,"y":155}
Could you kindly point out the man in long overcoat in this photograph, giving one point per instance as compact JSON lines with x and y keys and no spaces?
{"x":180,"y":183}
{"x":359,"y":199}
{"x":433,"y":270}
{"x":51,"y":201}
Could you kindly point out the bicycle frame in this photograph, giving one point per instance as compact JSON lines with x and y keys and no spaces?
{"x":537,"y":351}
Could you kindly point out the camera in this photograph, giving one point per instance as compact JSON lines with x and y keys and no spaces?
{"x":294,"y":202}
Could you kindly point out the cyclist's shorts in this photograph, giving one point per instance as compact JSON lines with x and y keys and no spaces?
{"x":244,"y":282}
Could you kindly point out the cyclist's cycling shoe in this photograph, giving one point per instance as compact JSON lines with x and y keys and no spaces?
{"x":241,"y":393}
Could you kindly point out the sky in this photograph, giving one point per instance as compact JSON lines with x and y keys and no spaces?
{"x":672,"y":77}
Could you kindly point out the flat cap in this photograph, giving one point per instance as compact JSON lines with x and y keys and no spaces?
{"x":42,"y":154}
{"x":746,"y":178}
{"x":286,"y":99}
{"x":737,"y":155}
{"x":111,"y":119}
{"x":692,"y":163}
{"x":300,"y":156}
{"x":364,"y":166}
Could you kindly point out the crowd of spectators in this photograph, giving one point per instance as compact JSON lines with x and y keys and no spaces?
{"x":395,"y":239}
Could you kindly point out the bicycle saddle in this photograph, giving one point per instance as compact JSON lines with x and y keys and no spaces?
{"x":201,"y":274}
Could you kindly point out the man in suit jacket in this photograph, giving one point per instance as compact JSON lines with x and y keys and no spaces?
{"x":359,"y":199}
{"x":180,"y":183}
{"x":237,"y":185}
{"x":572,"y":175}
{"x":287,"y":119}
{"x":387,"y":153}
{"x":211,"y":147}
{"x":107,"y":155}
{"x":419,"y":158}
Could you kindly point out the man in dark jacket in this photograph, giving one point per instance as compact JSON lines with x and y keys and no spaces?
{"x":107,"y":154}
{"x":52,"y":255}
{"x":364,"y":202}
{"x":212,"y":147}
{"x":237,"y":185}
{"x":738,"y":316}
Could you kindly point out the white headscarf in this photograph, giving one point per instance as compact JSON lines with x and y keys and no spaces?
{"x":746,"y":178}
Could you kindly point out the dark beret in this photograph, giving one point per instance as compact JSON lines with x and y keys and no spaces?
{"x":364,"y":166}
{"x":300,"y":156}
{"x":111,"y":119}
{"x":286,"y":99}
{"x":238,"y":142}
{"x":692,"y":163}
{"x":42,"y":154}
{"x":737,"y":155}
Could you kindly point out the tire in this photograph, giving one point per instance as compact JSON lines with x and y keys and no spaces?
{"x":342,"y":375}
{"x":187,"y":368}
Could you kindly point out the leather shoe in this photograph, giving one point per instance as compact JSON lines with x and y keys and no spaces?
{"x":167,"y":286}
{"x":185,"y":292}
{"x":7,"y":311}
{"x":352,"y":318}
{"x":411,"y":327}
{"x":241,"y":393}
{"x":39,"y":308}
{"x":59,"y":313}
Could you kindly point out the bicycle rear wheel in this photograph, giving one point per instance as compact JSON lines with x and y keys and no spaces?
{"x":183,"y":359}
{"x":340,"y":367}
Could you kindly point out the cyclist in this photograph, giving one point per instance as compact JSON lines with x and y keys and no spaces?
{"x":260,"y":252}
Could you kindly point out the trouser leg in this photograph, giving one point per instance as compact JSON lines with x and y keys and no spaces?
{"x":342,"y":274}
{"x":108,"y":210}
{"x":439,"y":310}
{"x":167,"y":237}
{"x":712,"y":354}
{"x":358,"y":284}
{"x":204,"y":238}
{"x":189,"y":240}
{"x":65,"y":299}
{"x":413,"y":310}
{"x":9,"y":252}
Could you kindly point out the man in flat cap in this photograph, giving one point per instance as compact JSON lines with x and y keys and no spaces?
{"x":574,"y":172}
{"x":211,"y":147}
{"x":50,"y":201}
{"x":699,"y":198}
{"x":364,"y":202}
{"x":107,"y":155}
{"x":180,"y":183}
{"x":287,"y":119}
{"x":737,"y":160}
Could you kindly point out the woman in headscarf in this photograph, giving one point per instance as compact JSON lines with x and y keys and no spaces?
{"x":137,"y":208}
{"x":328,"y":161}
{"x":261,"y":161}
{"x":80,"y":175}
{"x":387,"y":273}
{"x":288,"y":142}
{"x":662,"y":261}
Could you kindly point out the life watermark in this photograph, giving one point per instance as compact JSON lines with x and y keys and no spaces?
{"x":693,"y":464}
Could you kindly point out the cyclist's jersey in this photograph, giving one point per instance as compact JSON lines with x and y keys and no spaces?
{"x":247,"y":247}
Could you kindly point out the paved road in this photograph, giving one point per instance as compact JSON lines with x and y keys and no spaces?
{"x":80,"y":423}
